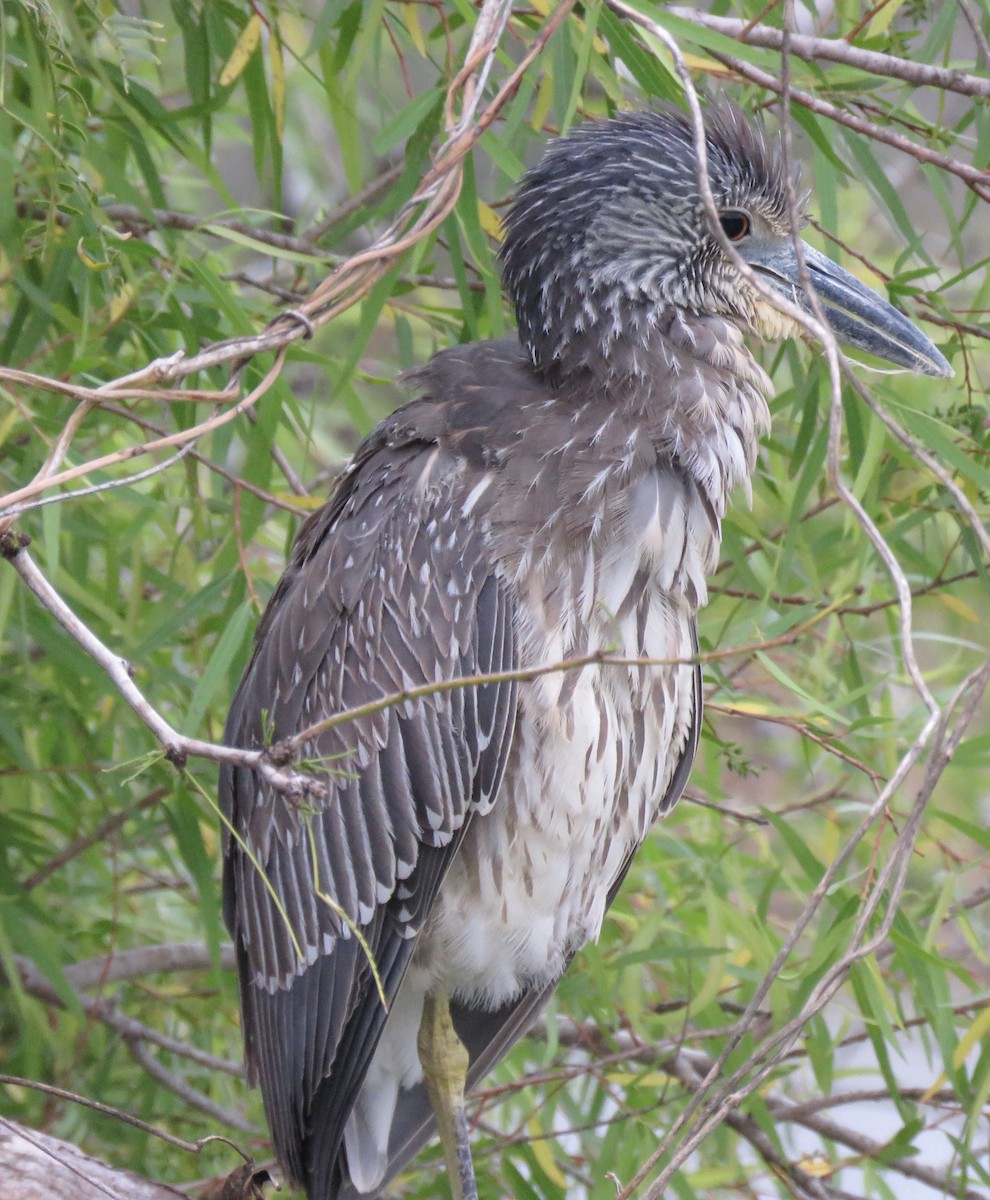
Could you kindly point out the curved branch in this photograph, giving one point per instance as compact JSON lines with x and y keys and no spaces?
{"x":353,"y":278}
{"x":48,"y":478}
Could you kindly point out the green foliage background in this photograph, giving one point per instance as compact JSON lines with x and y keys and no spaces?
{"x":150,"y":153}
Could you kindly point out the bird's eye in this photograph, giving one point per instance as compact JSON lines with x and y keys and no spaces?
{"x":735,"y":224}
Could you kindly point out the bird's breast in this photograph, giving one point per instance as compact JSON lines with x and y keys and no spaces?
{"x":594,"y":747}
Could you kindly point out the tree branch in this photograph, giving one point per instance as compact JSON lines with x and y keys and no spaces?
{"x":177,"y":747}
{"x":833,"y":1131}
{"x":976,"y":179}
{"x":35,"y":984}
{"x":838,"y":50}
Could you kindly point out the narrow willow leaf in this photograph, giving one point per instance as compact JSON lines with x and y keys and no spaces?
{"x":247,"y":44}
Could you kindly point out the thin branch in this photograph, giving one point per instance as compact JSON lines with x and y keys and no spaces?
{"x":46,"y":479}
{"x":924,"y":456}
{"x":269,"y":761}
{"x":185,"y":1091}
{"x":103,"y":1010}
{"x":838,"y":50}
{"x":130,"y":216}
{"x":802,"y":728}
{"x":798,"y":1110}
{"x":690,"y":1067}
{"x":81,"y":844}
{"x":867,"y":1147}
{"x":356,"y":203}
{"x":118,"y":1114}
{"x":109,"y":486}
{"x":973,"y":20}
{"x":165,"y":958}
{"x":177,"y":747}
{"x":880,"y":544}
{"x":236,"y":481}
{"x":975,"y":178}
{"x":97,"y":395}
{"x":140,"y":220}
{"x":723,"y":810}
{"x":288,"y":748}
{"x":933,"y":587}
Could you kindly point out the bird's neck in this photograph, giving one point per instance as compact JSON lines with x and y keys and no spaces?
{"x":691,"y":385}
{"x":712,"y":406}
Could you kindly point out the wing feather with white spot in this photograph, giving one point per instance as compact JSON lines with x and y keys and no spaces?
{"x":389,"y":589}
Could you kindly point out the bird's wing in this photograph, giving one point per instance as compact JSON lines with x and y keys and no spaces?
{"x":389,"y":589}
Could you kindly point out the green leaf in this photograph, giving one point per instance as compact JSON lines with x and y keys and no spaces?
{"x":183,"y":818}
{"x":229,"y":645}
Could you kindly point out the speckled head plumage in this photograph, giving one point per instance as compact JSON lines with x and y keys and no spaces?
{"x":607,"y":241}
{"x":608,"y":233}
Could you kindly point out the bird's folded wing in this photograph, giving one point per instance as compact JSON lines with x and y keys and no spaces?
{"x":389,"y":590}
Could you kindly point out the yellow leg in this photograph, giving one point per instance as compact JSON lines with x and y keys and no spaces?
{"x":445,"y":1064}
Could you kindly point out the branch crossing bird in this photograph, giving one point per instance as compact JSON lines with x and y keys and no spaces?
{"x":541,"y":500}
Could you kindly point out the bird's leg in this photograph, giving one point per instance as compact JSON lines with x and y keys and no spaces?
{"x":445,"y":1064}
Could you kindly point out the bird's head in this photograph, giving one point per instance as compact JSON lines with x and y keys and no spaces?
{"x":607,"y":241}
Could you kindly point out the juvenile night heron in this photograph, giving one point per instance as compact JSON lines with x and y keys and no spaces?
{"x":542,"y":499}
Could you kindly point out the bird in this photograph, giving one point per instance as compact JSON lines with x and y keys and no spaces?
{"x":548,"y":499}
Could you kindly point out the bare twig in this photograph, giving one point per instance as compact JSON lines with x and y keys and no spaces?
{"x":47,"y":477}
{"x":35,"y":984}
{"x":95,"y":488}
{"x":166,"y":958}
{"x":185,"y":1091}
{"x":292,"y":746}
{"x":356,"y":203}
{"x":924,"y":456}
{"x":838,"y":50}
{"x":81,"y":844}
{"x":271,"y":762}
{"x":867,"y":1147}
{"x":130,"y":216}
{"x":77,"y":391}
{"x":177,"y":747}
{"x":119,"y":1115}
{"x":973,"y":20}
{"x":975,"y":178}
{"x":237,"y":481}
{"x":799,"y":1182}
